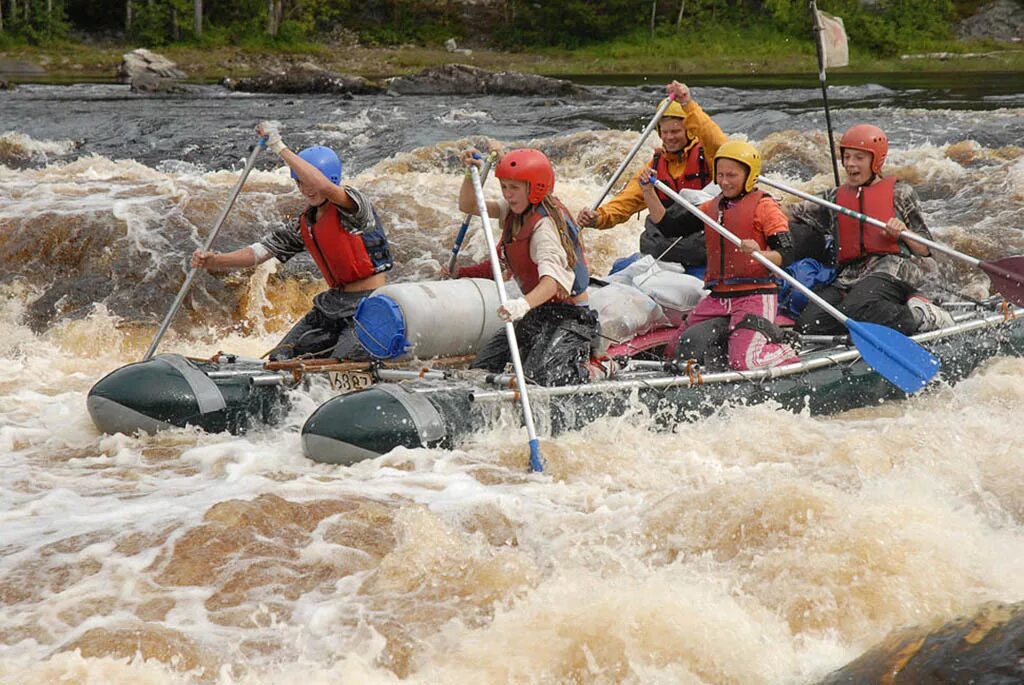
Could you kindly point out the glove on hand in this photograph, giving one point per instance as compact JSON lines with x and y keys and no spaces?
{"x":513,"y":310}
{"x":268,"y":130}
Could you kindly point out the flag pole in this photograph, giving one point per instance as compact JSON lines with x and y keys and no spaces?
{"x":818,"y":29}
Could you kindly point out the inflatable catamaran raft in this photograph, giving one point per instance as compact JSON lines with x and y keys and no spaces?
{"x":829,"y":379}
{"x":442,"y":322}
{"x":398,"y":400}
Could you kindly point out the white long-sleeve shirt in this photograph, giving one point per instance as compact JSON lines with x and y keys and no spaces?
{"x":546,"y":250}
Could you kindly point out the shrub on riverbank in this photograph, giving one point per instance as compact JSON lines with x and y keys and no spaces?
{"x":570,"y":37}
{"x":885,"y":27}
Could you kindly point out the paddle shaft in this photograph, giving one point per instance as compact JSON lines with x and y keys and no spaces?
{"x":209,"y":241}
{"x":464,"y":228}
{"x":819,"y":44}
{"x":931,"y":244}
{"x":767,"y":263}
{"x":632,"y":153}
{"x":536,"y":464}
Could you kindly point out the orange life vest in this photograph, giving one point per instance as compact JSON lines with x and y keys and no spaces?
{"x":696,"y":173}
{"x":729,"y":269}
{"x":516,"y":252}
{"x":857,"y":240}
{"x":343,"y":256}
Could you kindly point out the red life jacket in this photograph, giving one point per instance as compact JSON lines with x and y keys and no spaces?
{"x":696,"y":173}
{"x":729,"y":269}
{"x":857,"y":240}
{"x":344,"y":257}
{"x":515,"y":252}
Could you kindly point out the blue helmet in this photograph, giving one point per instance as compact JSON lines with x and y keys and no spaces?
{"x":325,"y":160}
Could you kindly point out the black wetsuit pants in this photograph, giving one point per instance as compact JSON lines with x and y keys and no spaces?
{"x":555,"y":341}
{"x":878,"y":298}
{"x":327,"y":330}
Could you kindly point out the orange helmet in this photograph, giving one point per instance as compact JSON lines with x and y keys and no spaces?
{"x":869,"y":139}
{"x":531,"y":166}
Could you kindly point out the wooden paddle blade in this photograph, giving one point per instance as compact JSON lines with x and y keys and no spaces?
{"x":893,"y":355}
{"x":1007,"y":275}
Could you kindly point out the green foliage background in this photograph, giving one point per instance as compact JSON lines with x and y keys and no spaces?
{"x":882,"y":28}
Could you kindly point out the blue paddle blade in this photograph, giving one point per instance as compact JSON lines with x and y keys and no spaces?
{"x":893,"y":355}
{"x":536,"y":460}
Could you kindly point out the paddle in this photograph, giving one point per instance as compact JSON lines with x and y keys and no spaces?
{"x":209,"y":241}
{"x":464,"y":228}
{"x":1006,"y":274}
{"x":536,"y":461}
{"x":820,"y":46}
{"x":893,"y":355}
{"x":632,"y":153}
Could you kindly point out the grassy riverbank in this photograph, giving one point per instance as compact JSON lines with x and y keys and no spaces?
{"x":726,"y":53}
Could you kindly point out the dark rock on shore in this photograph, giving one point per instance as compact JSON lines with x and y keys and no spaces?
{"x":1000,"y":20}
{"x":462,"y":79}
{"x":6,"y":85}
{"x":11,"y":67}
{"x":307,"y":78}
{"x":151,"y":83}
{"x":984,"y":649}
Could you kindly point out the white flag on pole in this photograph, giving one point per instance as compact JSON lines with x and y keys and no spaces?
{"x":833,"y":40}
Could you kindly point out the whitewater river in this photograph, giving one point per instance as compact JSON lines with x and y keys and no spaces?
{"x":754,"y":547}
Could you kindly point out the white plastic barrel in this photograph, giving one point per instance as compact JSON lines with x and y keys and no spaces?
{"x":429,"y":319}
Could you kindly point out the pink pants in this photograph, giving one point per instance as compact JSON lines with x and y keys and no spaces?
{"x":747,"y":349}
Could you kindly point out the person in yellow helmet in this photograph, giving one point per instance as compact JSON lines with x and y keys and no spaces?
{"x":739,"y":314}
{"x":689,"y":140}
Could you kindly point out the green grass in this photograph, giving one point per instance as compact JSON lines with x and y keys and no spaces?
{"x":717,"y":50}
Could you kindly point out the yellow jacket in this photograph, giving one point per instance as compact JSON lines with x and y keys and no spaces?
{"x":699,"y":127}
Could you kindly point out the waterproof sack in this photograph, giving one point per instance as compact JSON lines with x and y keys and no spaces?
{"x":624,"y":312}
{"x":811,"y":273}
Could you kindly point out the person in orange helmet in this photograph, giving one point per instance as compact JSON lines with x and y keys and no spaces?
{"x":541,"y":247}
{"x":880,"y":272}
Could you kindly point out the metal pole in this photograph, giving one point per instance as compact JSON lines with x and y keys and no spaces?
{"x":209,"y":241}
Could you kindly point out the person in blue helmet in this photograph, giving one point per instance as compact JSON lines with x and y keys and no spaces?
{"x":341,"y":231}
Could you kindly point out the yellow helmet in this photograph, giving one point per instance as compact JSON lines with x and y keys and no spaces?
{"x":744,"y":153}
{"x":674,"y":110}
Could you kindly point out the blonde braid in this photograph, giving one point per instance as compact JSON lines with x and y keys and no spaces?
{"x":553,"y":206}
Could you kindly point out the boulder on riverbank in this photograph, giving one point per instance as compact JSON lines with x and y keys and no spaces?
{"x":989,"y":644}
{"x":1001,"y":20}
{"x":143,"y":61}
{"x":148,"y":72}
{"x":462,"y":79}
{"x":6,"y":85}
{"x":13,"y":67}
{"x":303,"y":79}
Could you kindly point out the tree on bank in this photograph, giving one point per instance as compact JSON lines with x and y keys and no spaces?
{"x":884,"y":27}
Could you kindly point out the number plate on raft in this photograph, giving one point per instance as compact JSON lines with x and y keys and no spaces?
{"x":349,"y":381}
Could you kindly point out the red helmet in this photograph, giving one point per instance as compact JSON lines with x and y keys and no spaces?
{"x":869,"y":139}
{"x":531,"y":166}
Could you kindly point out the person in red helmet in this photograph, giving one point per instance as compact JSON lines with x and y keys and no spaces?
{"x":689,"y":141}
{"x":880,"y":272}
{"x":341,"y":231}
{"x":541,"y":248}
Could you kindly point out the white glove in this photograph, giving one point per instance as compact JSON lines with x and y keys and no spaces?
{"x":268,"y":130}
{"x":513,"y":310}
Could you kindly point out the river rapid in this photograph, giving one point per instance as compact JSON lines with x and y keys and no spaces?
{"x":756,"y":546}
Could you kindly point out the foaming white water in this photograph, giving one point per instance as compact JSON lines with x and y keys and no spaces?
{"x":459,"y":116}
{"x":756,"y":546}
{"x":18,"y":146}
